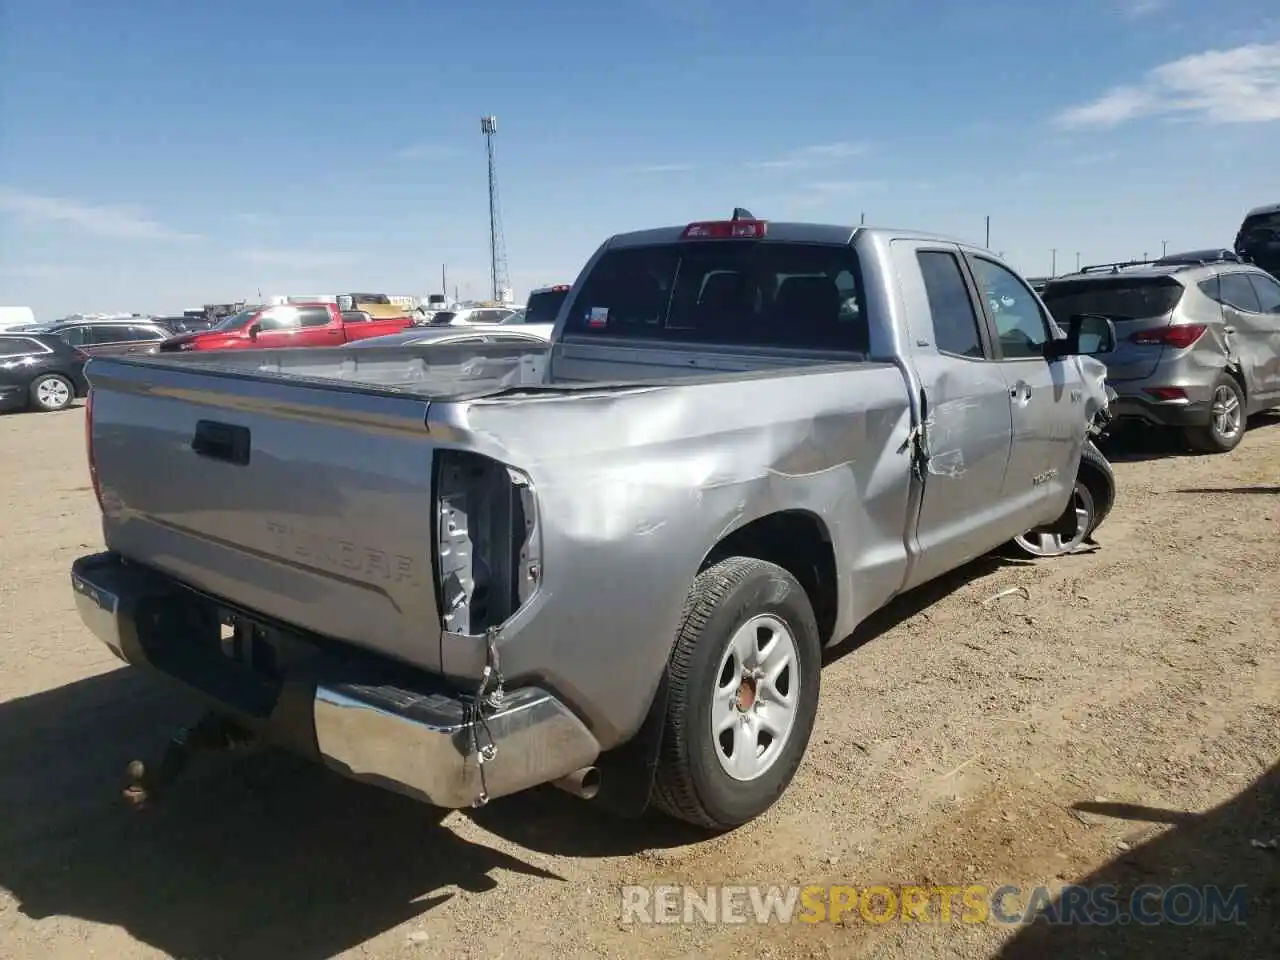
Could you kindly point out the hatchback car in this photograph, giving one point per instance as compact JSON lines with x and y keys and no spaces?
{"x":40,"y":371}
{"x":1197,"y":340}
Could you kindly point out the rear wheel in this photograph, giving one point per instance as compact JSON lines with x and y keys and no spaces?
{"x":744,"y":676}
{"x":1225,"y":428}
{"x":52,"y":392}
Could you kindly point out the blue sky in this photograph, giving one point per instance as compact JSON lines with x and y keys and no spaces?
{"x":156,"y":155}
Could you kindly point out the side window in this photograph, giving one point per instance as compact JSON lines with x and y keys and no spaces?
{"x":1019,"y":321}
{"x":1268,"y":292}
{"x":11,"y":347}
{"x":1236,"y":291}
{"x":76,"y":336}
{"x":955,"y":322}
{"x":103,"y":333}
{"x":142,"y":334}
{"x":313,"y":317}
{"x":278,"y":319}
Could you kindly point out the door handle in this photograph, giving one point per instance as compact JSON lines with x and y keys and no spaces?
{"x":221,"y":441}
{"x":1020,"y":392}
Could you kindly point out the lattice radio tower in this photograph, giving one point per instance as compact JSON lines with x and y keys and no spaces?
{"x":497,"y":245}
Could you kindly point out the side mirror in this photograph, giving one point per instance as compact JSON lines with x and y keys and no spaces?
{"x":254,"y":330}
{"x":1088,"y":334}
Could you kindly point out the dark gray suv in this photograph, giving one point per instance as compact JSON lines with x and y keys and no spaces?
{"x":1198,"y":340}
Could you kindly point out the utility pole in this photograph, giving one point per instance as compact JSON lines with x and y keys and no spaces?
{"x":1053,"y":269}
{"x":988,"y":243}
{"x":444,"y":279}
{"x":497,"y":245}
{"x":1164,"y":248}
{"x":862,"y":220}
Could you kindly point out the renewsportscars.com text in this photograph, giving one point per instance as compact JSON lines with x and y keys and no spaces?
{"x":1104,"y":904}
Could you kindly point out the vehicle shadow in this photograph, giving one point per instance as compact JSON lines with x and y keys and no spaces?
{"x":909,"y":604}
{"x":262,"y":855}
{"x":551,"y":821}
{"x":1229,"y":847}
{"x":1271,"y":490}
{"x":1135,"y":442}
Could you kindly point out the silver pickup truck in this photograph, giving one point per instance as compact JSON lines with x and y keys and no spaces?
{"x":612,"y":564}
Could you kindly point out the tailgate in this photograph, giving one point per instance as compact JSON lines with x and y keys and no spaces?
{"x":307,"y":504}
{"x":1134,"y":303}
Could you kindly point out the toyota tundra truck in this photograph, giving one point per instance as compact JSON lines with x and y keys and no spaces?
{"x":458,"y":576}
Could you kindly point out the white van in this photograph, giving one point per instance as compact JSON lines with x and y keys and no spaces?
{"x":16,"y":317}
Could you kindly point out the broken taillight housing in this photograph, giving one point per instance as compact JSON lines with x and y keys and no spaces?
{"x":488,"y":545}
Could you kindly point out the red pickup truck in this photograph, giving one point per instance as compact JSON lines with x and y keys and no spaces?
{"x":287,"y":325}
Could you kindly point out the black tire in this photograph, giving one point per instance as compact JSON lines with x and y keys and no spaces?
{"x":691,"y":784}
{"x":1097,"y":475}
{"x":46,"y":396}
{"x":1209,"y":438}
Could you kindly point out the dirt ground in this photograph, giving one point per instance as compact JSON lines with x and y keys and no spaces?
{"x":1120,"y":725}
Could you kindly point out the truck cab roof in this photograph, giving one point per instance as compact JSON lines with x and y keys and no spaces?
{"x":786,"y":232}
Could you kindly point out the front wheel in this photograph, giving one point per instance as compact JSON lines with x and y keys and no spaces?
{"x":1092,"y":498}
{"x":743,"y":694}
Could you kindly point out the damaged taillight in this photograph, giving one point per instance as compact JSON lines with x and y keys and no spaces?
{"x":488,"y":560}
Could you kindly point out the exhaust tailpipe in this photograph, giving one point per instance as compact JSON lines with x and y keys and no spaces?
{"x":584,"y":783}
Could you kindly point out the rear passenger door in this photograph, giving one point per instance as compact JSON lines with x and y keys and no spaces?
{"x":1268,"y":291}
{"x":1046,"y":399}
{"x":968,"y":427}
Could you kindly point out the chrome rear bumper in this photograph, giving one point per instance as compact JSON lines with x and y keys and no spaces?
{"x":413,"y":736}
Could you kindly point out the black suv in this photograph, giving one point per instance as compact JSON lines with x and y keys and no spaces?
{"x":41,"y":371}
{"x":1259,"y":238}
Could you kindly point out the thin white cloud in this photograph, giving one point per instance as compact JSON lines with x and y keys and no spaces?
{"x":34,"y":271}
{"x":116,"y":222}
{"x":296,"y":259}
{"x":811,"y":156}
{"x":1239,"y":85}
{"x":426,"y":151}
{"x":1136,"y":9}
{"x":659,"y":168}
{"x":251,"y":219}
{"x":832,"y":193}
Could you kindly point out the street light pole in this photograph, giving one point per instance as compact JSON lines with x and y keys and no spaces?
{"x":1053,"y":269}
{"x":1077,"y":261}
{"x":1164,"y":248}
{"x":988,"y":232}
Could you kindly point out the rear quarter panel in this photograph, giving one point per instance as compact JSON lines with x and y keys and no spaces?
{"x":635,"y":488}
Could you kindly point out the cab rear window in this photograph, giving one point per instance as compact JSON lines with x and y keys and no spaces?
{"x":740,"y":292}
{"x":544,"y":306}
